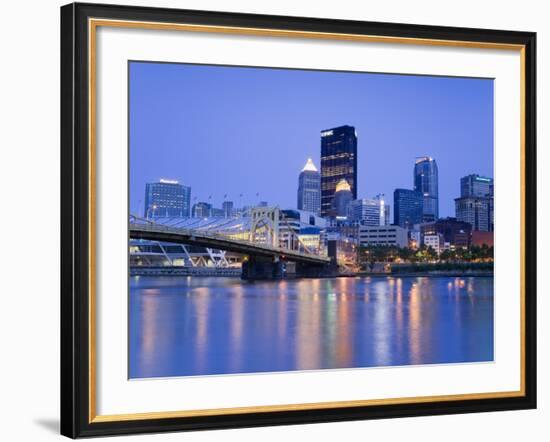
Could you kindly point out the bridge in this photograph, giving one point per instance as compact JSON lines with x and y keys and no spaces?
{"x":258,"y":237}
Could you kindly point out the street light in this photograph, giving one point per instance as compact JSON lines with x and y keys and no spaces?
{"x":149,"y":210}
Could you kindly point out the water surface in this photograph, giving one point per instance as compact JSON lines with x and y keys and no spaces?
{"x":182,"y":326}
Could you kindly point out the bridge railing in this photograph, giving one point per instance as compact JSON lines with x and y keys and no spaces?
{"x":153,"y":227}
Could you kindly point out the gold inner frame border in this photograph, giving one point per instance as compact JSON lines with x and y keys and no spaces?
{"x":93,"y":24}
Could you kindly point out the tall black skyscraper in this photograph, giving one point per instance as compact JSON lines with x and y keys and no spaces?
{"x":426,"y":182}
{"x":338,"y":162}
{"x":407,"y":207}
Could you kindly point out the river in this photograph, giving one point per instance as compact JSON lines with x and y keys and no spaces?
{"x":181,"y":326}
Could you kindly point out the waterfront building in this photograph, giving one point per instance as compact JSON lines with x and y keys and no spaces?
{"x":227,"y":207}
{"x":158,"y":257}
{"x":302,"y":217}
{"x":343,"y":196}
{"x":309,"y":188}
{"x":343,"y":249}
{"x":342,"y":228}
{"x":202,"y":210}
{"x":383,"y":236}
{"x":289,"y":227}
{"x":456,"y":233}
{"x":167,"y":198}
{"x":415,"y":238}
{"x":475,"y":211}
{"x":338,"y":161}
{"x":436,"y":242}
{"x":311,"y":238}
{"x":293,"y":224}
{"x":407,"y":207}
{"x":369,"y":211}
{"x":426,"y":182}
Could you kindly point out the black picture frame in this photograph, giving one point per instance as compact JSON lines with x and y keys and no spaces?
{"x":75,"y":221}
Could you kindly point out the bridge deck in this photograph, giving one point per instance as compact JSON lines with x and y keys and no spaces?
{"x":157,"y":232}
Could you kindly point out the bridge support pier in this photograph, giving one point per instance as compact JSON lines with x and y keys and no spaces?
{"x":257,"y":267}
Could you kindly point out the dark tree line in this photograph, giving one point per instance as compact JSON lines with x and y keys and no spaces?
{"x":368,"y":256}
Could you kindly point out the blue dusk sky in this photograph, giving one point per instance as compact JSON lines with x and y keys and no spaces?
{"x":240,"y":130}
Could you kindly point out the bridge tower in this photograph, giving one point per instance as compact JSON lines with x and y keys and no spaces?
{"x":264,"y":228}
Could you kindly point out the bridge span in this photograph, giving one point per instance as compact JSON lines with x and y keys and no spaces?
{"x":263,"y":261}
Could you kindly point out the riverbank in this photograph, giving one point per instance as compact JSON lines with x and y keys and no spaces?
{"x":236,"y":273}
{"x":437,"y":269}
{"x":186,"y":271}
{"x":425,"y":274}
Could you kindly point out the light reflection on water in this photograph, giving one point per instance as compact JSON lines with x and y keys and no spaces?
{"x":199,"y":326}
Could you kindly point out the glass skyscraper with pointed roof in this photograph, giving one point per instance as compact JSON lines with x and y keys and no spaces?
{"x":309,"y":188}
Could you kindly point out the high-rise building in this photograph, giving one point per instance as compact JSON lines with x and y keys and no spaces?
{"x":227,"y":207}
{"x":475,"y":185}
{"x":167,"y":198}
{"x":342,"y":199}
{"x":426,"y":182}
{"x":202,"y":210}
{"x":387,"y":216}
{"x":476,"y":202}
{"x":475,"y":211}
{"x":384,"y":210}
{"x":338,"y":161}
{"x":407,"y":207}
{"x":368,"y":211}
{"x":309,"y":188}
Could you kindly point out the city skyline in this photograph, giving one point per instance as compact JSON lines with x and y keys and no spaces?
{"x":275,"y":178}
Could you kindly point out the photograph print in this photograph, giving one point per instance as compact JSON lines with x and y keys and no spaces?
{"x":289,"y":219}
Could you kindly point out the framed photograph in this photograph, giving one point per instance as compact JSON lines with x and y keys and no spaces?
{"x":274,"y":220}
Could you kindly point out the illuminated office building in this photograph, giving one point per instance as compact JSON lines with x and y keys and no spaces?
{"x":369,"y":211}
{"x":167,"y":198}
{"x":475,"y":185}
{"x":338,"y":162}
